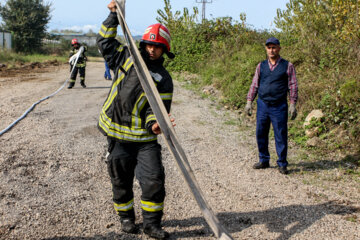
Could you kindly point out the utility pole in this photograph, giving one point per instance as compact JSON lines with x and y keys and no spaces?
{"x":204,"y":2}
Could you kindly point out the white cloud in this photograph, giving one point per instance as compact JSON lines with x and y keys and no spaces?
{"x":85,"y":28}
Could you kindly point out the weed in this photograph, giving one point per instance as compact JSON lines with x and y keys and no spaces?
{"x":12,"y":59}
{"x":352,"y":218}
{"x":231,"y":122}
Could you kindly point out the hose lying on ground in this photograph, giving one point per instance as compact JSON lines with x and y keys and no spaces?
{"x":73,"y":61}
{"x":31,"y":108}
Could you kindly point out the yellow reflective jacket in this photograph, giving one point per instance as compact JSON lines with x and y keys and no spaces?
{"x":126,"y":115}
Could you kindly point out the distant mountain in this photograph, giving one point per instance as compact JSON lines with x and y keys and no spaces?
{"x":137,"y":37}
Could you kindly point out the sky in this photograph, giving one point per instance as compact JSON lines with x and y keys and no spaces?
{"x":89,"y":14}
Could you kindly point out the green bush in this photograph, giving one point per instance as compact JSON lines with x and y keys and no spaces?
{"x":321,"y":38}
{"x":11,"y":58}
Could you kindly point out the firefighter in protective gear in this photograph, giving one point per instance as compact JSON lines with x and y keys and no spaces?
{"x":130,"y":125}
{"x":80,"y":65}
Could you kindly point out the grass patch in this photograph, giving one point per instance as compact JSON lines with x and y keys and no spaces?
{"x":12,"y":59}
{"x":352,"y":218}
{"x":231,"y":122}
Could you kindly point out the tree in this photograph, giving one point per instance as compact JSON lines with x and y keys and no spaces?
{"x":321,"y":26}
{"x":27,"y":20}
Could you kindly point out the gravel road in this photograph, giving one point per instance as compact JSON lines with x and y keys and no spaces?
{"x":54,"y":183}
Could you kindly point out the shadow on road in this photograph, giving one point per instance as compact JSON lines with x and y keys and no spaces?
{"x":286,"y":221}
{"x":111,"y":235}
{"x":348,"y":162}
{"x":93,"y":87}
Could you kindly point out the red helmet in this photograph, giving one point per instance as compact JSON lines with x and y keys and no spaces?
{"x":158,"y":34}
{"x":74,"y":41}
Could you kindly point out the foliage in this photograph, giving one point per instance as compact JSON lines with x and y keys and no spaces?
{"x":320,"y":37}
{"x":323,"y":29}
{"x":346,"y":19}
{"x":27,"y":20}
{"x":188,"y":44}
{"x":223,"y":51}
{"x":11,"y":58}
{"x":93,"y":51}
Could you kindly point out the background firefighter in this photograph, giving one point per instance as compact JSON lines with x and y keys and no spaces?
{"x":80,"y":65}
{"x":130,"y":125}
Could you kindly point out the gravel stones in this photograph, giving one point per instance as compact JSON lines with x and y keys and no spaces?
{"x":54,"y":182}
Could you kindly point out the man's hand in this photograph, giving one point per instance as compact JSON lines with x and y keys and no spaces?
{"x":156,"y":128}
{"x":112,"y":6}
{"x":292,"y":111}
{"x":248,"y":108}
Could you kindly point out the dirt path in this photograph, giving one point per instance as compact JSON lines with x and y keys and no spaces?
{"x":54,"y":184}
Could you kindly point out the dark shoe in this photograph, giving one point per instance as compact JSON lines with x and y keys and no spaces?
{"x":261,"y":165}
{"x":82,"y":83}
{"x":71,"y":85}
{"x":156,"y":231}
{"x":283,"y":170}
{"x":128,"y":226}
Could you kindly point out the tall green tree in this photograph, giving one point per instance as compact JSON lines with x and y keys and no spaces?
{"x":322,"y":26}
{"x":27,"y":20}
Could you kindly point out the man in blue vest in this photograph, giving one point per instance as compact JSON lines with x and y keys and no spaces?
{"x":274,"y":79}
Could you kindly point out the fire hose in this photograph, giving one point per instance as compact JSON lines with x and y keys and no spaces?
{"x":73,"y":60}
{"x":167,"y":128}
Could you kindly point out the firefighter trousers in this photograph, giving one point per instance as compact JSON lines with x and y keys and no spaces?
{"x":81,"y":71}
{"x":143,"y":160}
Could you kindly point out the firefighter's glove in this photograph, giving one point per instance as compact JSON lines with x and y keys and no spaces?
{"x":292,"y":111}
{"x":248,"y":108}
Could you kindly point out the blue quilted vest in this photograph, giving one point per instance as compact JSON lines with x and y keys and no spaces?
{"x":273,"y":87}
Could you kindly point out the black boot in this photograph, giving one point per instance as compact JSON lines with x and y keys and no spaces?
{"x":155,"y":231}
{"x":283,"y":170}
{"x":128,"y":225}
{"x":127,"y":220}
{"x":71,"y":85}
{"x":261,"y":165}
{"x":83,"y":84}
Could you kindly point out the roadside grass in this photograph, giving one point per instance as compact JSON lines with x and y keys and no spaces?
{"x":333,"y":171}
{"x":12,"y":59}
{"x":96,"y":59}
{"x":232,"y":122}
{"x":308,"y":160}
{"x":327,"y":70}
{"x":352,"y":218}
{"x":320,"y":166}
